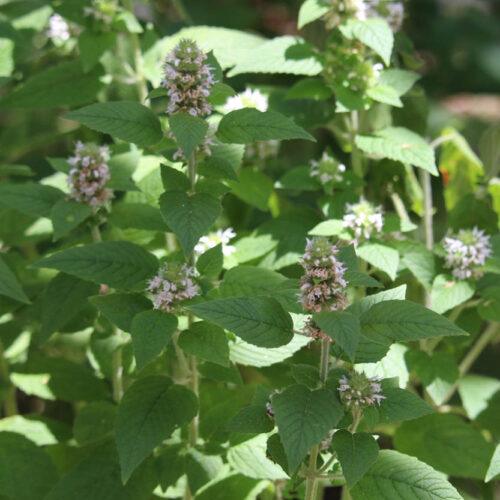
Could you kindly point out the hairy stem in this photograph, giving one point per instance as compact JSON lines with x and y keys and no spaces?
{"x":9,"y":398}
{"x":311,"y":483}
{"x":325,"y":355}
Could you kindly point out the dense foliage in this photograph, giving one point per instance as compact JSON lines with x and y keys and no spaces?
{"x":240,"y":267}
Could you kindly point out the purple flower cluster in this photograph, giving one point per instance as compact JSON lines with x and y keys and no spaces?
{"x":173,"y":284}
{"x":358,"y":391}
{"x":466,"y":251}
{"x":89,"y":174}
{"x":188,"y":80}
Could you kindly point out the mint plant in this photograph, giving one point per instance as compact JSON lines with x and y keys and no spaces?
{"x":238,"y":267}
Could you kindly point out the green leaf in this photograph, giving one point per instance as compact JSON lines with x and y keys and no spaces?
{"x":150,"y":410}
{"x":126,"y":120}
{"x":356,"y":452}
{"x":137,"y":216}
{"x":97,"y":477}
{"x":221,"y":373}
{"x":341,"y":326}
{"x":383,"y":257}
{"x":401,"y":404}
{"x":94,"y":421}
{"x":64,"y":298}
{"x":260,"y":321}
{"x":447,"y":443}
{"x":311,"y":10}
{"x":420,"y":261}
{"x":489,"y":308}
{"x":120,"y":308}
{"x":6,"y":59}
{"x":55,"y":86}
{"x":284,"y":54}
{"x":398,"y":79}
{"x":210,"y":263}
{"x":201,"y":469}
{"x":298,"y":178}
{"x":205,"y":341}
{"x":232,"y":487}
{"x":30,"y":198}
{"x":37,"y":428}
{"x":399,"y":144}
{"x":26,"y":471}
{"x":93,"y":45}
{"x":253,"y":187}
{"x":398,"y":476}
{"x":9,"y":284}
{"x":304,"y":418}
{"x":252,"y":419}
{"x":362,"y":305}
{"x":355,"y":278}
{"x":489,"y":148}
{"x":310,"y":88}
{"x":66,"y":215}
{"x":306,"y":375}
{"x":217,"y":168}
{"x":494,"y":467}
{"x":248,"y":125}
{"x":374,"y":33}
{"x":173,"y":179}
{"x":57,"y":378}
{"x":189,"y":217}
{"x":170,"y":465}
{"x":448,"y":293}
{"x":385,"y":95}
{"x":188,"y":131}
{"x":151,"y":332}
{"x":249,"y":458}
{"x":476,"y":391}
{"x":119,"y":264}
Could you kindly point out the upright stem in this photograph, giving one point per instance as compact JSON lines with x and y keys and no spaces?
{"x":9,"y":399}
{"x":96,"y":234}
{"x":425,"y":180}
{"x":141,"y":84}
{"x":356,"y":159}
{"x":325,"y":355}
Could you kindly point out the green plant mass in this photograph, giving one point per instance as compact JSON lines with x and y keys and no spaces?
{"x":249,"y":250}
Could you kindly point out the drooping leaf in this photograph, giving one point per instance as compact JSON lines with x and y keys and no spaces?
{"x":248,"y":125}
{"x":260,"y":321}
{"x":383,"y":257}
{"x":400,"y":404}
{"x":150,"y":410}
{"x":304,"y":418}
{"x":9,"y":284}
{"x":210,"y":263}
{"x":119,"y":264}
{"x":151,"y":332}
{"x":311,"y":10}
{"x":189,"y":217}
{"x":30,"y":198}
{"x":395,"y":475}
{"x":188,"y":131}
{"x":126,"y":120}
{"x":357,"y":453}
{"x":66,"y":215}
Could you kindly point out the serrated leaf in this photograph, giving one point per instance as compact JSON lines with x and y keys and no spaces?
{"x":61,"y":85}
{"x":341,"y":326}
{"x":399,"y":144}
{"x":420,"y":261}
{"x":150,"y":410}
{"x":356,"y":452}
{"x":210,"y":263}
{"x":385,"y":95}
{"x":260,"y":321}
{"x":64,"y":298}
{"x":248,"y":125}
{"x":448,"y":293}
{"x":361,"y":306}
{"x":119,"y":264}
{"x":383,"y":257}
{"x":174,"y":180}
{"x":395,"y":475}
{"x":306,"y":375}
{"x":66,"y":215}
{"x":398,"y":79}
{"x":311,"y":10}
{"x":310,"y":88}
{"x":374,"y":33}
{"x":304,"y":418}
{"x":447,"y":443}
{"x":9,"y":284}
{"x":26,"y":471}
{"x":188,"y":131}
{"x":205,"y":341}
{"x":93,"y":45}
{"x":401,"y":404}
{"x":151,"y":332}
{"x":476,"y":391}
{"x":189,"y":217}
{"x":30,"y":198}
{"x":120,"y":308}
{"x":137,"y":216}
{"x":494,"y":467}
{"x":355,"y":278}
{"x":126,"y":120}
{"x":252,"y":419}
{"x":94,"y":421}
{"x":253,"y":187}
{"x":217,"y":168}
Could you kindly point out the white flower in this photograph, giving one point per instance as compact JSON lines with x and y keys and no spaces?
{"x":327,"y":169}
{"x":223,"y":236}
{"x":58,"y":28}
{"x":466,"y":251}
{"x":363,"y":219}
{"x":248,"y":99}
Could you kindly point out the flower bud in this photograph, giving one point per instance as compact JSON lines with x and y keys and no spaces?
{"x":363,"y":219}
{"x":358,"y":391}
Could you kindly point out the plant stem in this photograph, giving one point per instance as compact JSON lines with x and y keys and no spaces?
{"x":96,"y":234}
{"x":311,"y":483}
{"x":356,"y":159}
{"x":141,"y":84}
{"x":325,"y":355}
{"x":482,"y":342}
{"x":9,"y":399}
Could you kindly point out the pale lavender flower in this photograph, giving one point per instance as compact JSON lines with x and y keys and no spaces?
{"x":248,"y":99}
{"x":358,"y":391}
{"x":466,"y":251}
{"x":173,"y":284}
{"x":327,"y":169}
{"x":223,"y":236}
{"x":58,"y":28}
{"x":363,"y":219}
{"x":89,"y":174}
